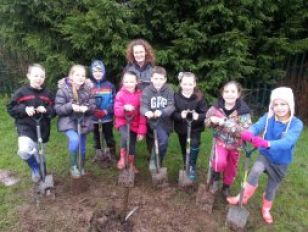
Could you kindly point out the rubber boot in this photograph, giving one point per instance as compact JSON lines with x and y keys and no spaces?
{"x":193,"y":163}
{"x":132,"y":164}
{"x":249,"y":190}
{"x":82,"y":168}
{"x":121,"y":162}
{"x":266,"y":207}
{"x":75,"y":173}
{"x":35,"y":168}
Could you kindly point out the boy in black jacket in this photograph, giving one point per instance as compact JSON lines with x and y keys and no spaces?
{"x":27,"y":104}
{"x":157,"y":102}
{"x":189,"y":99}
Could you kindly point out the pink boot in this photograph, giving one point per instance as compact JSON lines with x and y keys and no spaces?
{"x":266,"y":207}
{"x":121,"y":162}
{"x":132,"y":165}
{"x":249,"y":190}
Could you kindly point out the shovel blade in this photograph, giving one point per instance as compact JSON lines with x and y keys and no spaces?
{"x":237,"y":218}
{"x":126,"y":178}
{"x":184,"y":181}
{"x":205,"y":199}
{"x":48,"y":183}
{"x":160,"y":177}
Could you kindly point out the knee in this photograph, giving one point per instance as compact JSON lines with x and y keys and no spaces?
{"x":219,"y":164}
{"x":24,"y":153}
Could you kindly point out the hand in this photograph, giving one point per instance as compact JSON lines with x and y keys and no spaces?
{"x":140,"y":137}
{"x":83,"y":108}
{"x":247,"y":135}
{"x":129,"y":107}
{"x":149,"y":114}
{"x":76,"y":108}
{"x":260,"y":142}
{"x":41,"y":109}
{"x":184,"y":114}
{"x":30,"y":111}
{"x":195,"y":116}
{"x":157,"y":113}
{"x":217,"y":120}
{"x":99,"y":114}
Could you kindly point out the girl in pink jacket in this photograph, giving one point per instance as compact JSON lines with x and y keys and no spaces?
{"x":127,"y":108}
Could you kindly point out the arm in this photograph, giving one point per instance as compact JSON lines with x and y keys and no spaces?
{"x":119,"y":105}
{"x":201,"y":110}
{"x":170,"y":104}
{"x":111,"y":100}
{"x":145,"y":102}
{"x":63,"y":105}
{"x":15,"y":109}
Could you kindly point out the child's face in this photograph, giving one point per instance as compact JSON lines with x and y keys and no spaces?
{"x":158,"y":80}
{"x":97,"y":74}
{"x":230,"y":94}
{"x":281,"y":109}
{"x":139,"y":54}
{"x":36,"y":77}
{"x":78,"y":77}
{"x":129,"y":82}
{"x":187,"y":85}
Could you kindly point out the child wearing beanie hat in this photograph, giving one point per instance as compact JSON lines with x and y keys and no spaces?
{"x":281,"y":130}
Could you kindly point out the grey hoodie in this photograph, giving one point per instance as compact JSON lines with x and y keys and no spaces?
{"x":163,"y":99}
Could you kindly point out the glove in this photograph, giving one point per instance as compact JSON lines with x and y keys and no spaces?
{"x":99,"y":114}
{"x":247,"y":135}
{"x":259,"y":142}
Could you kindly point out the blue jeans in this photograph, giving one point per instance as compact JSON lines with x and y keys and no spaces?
{"x":73,"y":142}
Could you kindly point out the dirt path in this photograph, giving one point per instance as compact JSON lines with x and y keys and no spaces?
{"x":90,"y":203}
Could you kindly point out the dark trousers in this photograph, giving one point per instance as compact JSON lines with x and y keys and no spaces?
{"x":132,"y":141}
{"x":194,"y":147}
{"x":108,"y":135}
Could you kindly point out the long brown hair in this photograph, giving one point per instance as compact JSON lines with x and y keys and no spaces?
{"x":149,"y":53}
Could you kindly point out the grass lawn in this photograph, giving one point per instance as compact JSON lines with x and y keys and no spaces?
{"x":290,"y":208}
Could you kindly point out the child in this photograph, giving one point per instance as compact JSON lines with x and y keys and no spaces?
{"x":27,"y":104}
{"x":104,"y":93}
{"x":127,"y":105}
{"x":75,"y":103}
{"x":228,"y":114}
{"x":140,"y":60}
{"x":189,"y":98}
{"x":281,"y":130}
{"x":157,"y":102}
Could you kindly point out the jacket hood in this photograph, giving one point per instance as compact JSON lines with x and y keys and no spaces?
{"x":65,"y":82}
{"x":98,"y":65}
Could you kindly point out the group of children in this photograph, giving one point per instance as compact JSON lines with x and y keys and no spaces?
{"x":144,"y":97}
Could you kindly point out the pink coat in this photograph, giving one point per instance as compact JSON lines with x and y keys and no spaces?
{"x":123,"y":97}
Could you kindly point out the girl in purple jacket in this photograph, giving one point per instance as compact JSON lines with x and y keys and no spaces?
{"x":127,"y":105}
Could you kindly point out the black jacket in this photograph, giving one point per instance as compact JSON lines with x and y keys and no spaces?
{"x":28,"y":96}
{"x":195,"y":102}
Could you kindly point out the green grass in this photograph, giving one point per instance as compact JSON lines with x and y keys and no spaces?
{"x":290,"y":208}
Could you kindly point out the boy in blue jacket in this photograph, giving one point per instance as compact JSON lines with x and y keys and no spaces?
{"x":104,"y":92}
{"x":281,"y":130}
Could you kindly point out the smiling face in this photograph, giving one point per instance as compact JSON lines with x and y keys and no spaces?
{"x":139,"y":54}
{"x":230,"y":94}
{"x":281,"y":109}
{"x":78,"y":75}
{"x":36,"y":77}
{"x":97,"y":74}
{"x":188,"y":84}
{"x":129,"y":82}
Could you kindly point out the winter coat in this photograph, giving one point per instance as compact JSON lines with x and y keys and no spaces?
{"x":282,"y":142}
{"x":228,"y":135}
{"x":28,"y":96}
{"x":64,"y":99}
{"x":163,"y":100}
{"x":195,"y":102}
{"x":143,"y":73}
{"x":104,"y":93}
{"x":138,"y":123}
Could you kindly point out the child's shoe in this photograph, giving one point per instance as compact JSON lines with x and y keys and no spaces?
{"x":192,"y":173}
{"x":75,"y":172}
{"x":36,"y":175}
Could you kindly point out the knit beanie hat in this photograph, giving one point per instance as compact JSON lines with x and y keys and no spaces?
{"x":283,"y":93}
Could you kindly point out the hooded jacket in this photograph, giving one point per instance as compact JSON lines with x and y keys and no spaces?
{"x":163,"y":100}
{"x":103,"y":91}
{"x":63,"y":105}
{"x":238,"y":120}
{"x":123,"y":97}
{"x":143,"y":73}
{"x":194,"y":102}
{"x":28,"y":96}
